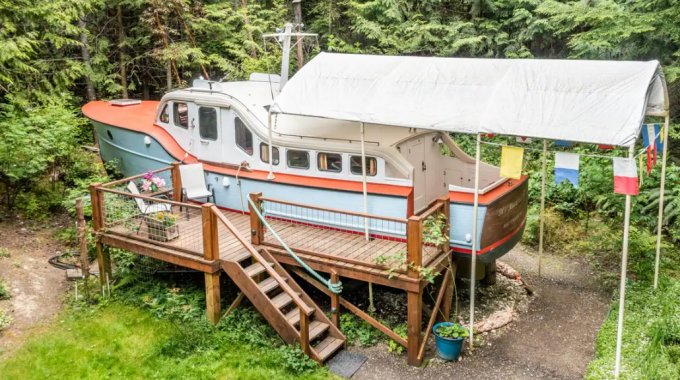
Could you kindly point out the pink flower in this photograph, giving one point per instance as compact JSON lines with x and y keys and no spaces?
{"x":159,"y":182}
{"x":148,"y":175}
{"x":146,"y":185}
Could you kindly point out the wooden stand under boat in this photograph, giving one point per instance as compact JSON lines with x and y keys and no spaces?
{"x":213,"y":241}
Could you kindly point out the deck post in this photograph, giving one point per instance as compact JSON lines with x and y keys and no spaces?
{"x":335,"y":301}
{"x":98,"y":215}
{"x":414,"y":247}
{"x":211,"y":252}
{"x":304,"y":333}
{"x":176,"y":182}
{"x":256,"y":227}
{"x":82,"y":239}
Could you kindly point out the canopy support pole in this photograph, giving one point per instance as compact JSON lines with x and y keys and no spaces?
{"x":662,"y":189}
{"x":622,"y":285}
{"x":473,"y":258}
{"x":371,"y":306}
{"x":542,"y":215}
{"x":270,"y":176}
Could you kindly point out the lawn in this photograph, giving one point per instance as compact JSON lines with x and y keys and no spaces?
{"x":119,"y":341}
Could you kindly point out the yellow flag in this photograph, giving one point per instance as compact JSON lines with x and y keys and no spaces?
{"x":511,"y":162}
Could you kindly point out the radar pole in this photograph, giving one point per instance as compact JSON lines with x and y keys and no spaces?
{"x":283,"y":37}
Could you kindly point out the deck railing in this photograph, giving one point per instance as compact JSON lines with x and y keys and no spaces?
{"x":156,"y":217}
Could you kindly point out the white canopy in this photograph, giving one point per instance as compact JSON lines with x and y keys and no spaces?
{"x":600,"y":102}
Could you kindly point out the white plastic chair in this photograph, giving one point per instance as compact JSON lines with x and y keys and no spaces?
{"x":143,"y":206}
{"x":193,"y":183}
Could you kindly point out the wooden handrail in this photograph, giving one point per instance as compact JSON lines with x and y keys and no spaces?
{"x":296,"y":299}
{"x":335,"y":210}
{"x":119,"y":181}
{"x":147,"y":198}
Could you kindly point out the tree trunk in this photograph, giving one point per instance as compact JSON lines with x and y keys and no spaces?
{"x":85,"y":52}
{"x":297,"y":9}
{"x":122,"y":57}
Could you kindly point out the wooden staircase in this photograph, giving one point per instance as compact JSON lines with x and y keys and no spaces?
{"x":282,"y":302}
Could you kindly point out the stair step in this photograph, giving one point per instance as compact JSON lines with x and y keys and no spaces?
{"x":328,"y":347}
{"x":268,"y":284}
{"x":317,"y":328}
{"x":254,"y":269}
{"x":282,"y":300}
{"x":238,"y":256}
{"x":293,"y":316}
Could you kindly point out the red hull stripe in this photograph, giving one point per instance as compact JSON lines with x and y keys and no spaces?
{"x":492,"y":246}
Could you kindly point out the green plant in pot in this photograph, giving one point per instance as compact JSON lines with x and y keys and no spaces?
{"x":449,"y":339}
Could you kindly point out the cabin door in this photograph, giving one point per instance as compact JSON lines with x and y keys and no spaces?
{"x":206,"y":136}
{"x":424,"y":153}
{"x":414,"y":151}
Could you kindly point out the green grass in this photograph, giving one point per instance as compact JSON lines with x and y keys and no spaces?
{"x":4,"y":292}
{"x":119,"y":341}
{"x":651,"y":339}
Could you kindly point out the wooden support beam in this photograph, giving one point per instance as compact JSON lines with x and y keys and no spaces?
{"x":446,"y":210}
{"x":212,"y":297}
{"x":176,"y":182}
{"x":99,"y":221}
{"x":448,"y":295}
{"x":304,"y":333}
{"x":435,"y":313}
{"x":352,"y":308}
{"x":256,"y":226}
{"x":335,"y":301}
{"x":82,"y":239}
{"x":414,"y":327}
{"x":237,"y":301}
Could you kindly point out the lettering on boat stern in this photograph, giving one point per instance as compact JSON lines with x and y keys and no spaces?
{"x":504,"y":215}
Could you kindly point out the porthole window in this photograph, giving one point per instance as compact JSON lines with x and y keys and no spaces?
{"x":180,"y":113}
{"x":264,"y":153}
{"x":298,"y":159}
{"x":207,"y":123}
{"x":329,"y":162}
{"x":244,"y":137}
{"x":165,"y":115}
{"x":371,"y":165}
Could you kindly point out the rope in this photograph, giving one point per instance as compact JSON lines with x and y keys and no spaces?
{"x":333,"y":287}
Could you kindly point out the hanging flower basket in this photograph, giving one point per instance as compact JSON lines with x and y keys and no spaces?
{"x":162,"y":226}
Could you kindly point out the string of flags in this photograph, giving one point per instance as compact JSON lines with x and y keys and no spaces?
{"x":626,"y":179}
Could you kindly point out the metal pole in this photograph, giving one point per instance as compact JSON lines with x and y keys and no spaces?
{"x":542,"y":215}
{"x":622,"y":286}
{"x":371,"y":306}
{"x":473,"y":261}
{"x":363,"y":175}
{"x":662,"y":189}
{"x":270,"y":176}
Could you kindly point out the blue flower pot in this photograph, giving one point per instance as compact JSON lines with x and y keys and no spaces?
{"x":447,"y":348}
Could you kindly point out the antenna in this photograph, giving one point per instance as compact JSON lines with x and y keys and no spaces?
{"x":283,"y":37}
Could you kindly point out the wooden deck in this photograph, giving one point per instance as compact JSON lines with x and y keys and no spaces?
{"x":347,"y":253}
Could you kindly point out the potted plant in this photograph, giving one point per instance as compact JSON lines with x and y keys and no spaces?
{"x":162,"y":226}
{"x":151,"y":183}
{"x":449,"y":338}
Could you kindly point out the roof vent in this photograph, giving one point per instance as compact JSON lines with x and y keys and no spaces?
{"x":125,"y":102}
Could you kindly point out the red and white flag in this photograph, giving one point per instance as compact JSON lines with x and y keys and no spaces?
{"x":625,"y":176}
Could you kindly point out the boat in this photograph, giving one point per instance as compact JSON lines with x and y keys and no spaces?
{"x":226,"y":126}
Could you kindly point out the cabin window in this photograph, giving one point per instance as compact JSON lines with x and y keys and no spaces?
{"x":264,"y":153}
{"x":371,"y":165}
{"x":165,"y":115}
{"x":207,"y":123}
{"x":329,"y":162}
{"x":298,"y":159}
{"x":181,"y":114}
{"x":244,"y":137}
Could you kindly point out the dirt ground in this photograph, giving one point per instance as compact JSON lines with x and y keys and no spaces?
{"x":37,"y":288}
{"x":553,"y":339}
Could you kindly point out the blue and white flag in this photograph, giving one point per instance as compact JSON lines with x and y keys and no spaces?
{"x":563,"y":143}
{"x":566,"y":168}
{"x":651,"y":137}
